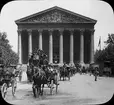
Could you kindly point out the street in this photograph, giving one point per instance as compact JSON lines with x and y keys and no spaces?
{"x":80,"y":90}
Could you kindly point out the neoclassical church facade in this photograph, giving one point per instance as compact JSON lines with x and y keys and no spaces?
{"x":64,"y":36}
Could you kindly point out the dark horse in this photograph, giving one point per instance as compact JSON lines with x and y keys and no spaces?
{"x":39,"y":79}
{"x":64,"y":72}
{"x":42,"y":76}
{"x":29,"y":73}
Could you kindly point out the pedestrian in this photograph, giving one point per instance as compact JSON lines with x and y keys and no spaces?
{"x":96,"y":73}
{"x":20,"y":73}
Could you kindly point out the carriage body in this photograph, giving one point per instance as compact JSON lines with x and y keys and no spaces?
{"x":7,"y":79}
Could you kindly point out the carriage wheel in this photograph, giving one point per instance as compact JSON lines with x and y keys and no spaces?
{"x":69,"y":76}
{"x":34,"y":91}
{"x":51,"y":87}
{"x":4,"y":90}
{"x":56,"y":87}
{"x":14,"y":86}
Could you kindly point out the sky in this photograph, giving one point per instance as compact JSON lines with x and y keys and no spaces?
{"x":95,"y":9}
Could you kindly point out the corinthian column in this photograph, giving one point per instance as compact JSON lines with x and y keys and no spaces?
{"x":61,"y":47}
{"x":81,"y":46}
{"x":92,"y":47}
{"x":40,"y":39}
{"x":30,"y":41}
{"x":50,"y":47}
{"x":71,"y":48}
{"x":19,"y":47}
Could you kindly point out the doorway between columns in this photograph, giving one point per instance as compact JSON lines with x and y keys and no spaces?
{"x":56,"y":46}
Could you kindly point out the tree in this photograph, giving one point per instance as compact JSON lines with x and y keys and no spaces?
{"x":110,"y":39}
{"x":7,"y":55}
{"x":106,"y":54}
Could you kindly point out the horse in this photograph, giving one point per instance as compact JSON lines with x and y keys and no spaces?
{"x":64,"y":72}
{"x":39,"y":79}
{"x":107,"y":71}
{"x":29,"y":73}
{"x":83,"y":70}
{"x":72,"y":70}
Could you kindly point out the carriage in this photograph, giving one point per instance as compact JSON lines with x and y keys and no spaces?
{"x":65,"y":72}
{"x":107,"y":68}
{"x":41,"y":73}
{"x":7,"y":79}
{"x":92,"y":68}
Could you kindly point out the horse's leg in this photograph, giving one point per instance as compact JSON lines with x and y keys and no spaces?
{"x":42,"y":89}
{"x":63,"y":77}
{"x":60,"y":76}
{"x":38,"y":90}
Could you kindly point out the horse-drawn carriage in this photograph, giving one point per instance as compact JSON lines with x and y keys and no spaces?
{"x":93,"y":69}
{"x":107,"y":68}
{"x":41,"y":73}
{"x":7,"y":79}
{"x":65,"y":72}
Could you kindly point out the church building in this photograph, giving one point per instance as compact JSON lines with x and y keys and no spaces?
{"x":63,"y":35}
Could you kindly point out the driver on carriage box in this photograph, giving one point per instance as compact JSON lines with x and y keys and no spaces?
{"x":65,"y":65}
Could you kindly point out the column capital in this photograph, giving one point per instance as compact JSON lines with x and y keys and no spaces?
{"x":71,"y":30}
{"x":81,"y":30}
{"x":50,"y":30}
{"x":77,"y":29}
{"x":40,"y":30}
{"x":61,"y":30}
{"x":29,"y":31}
{"x":92,"y":31}
{"x":19,"y":31}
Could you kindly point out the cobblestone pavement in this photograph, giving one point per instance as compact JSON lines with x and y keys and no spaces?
{"x":80,"y":90}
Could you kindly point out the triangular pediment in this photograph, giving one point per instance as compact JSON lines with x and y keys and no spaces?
{"x":56,"y":15}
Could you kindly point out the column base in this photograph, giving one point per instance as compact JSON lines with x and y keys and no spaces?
{"x":50,"y":63}
{"x":61,"y":64}
{"x":19,"y":63}
{"x":91,"y":62}
{"x":82,"y":64}
{"x":71,"y":64}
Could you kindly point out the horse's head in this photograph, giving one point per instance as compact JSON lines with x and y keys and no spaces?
{"x":35,"y":69}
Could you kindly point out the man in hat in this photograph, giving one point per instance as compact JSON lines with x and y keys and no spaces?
{"x":96,"y":73}
{"x":20,"y":72}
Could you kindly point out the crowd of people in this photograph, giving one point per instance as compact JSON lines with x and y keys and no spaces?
{"x":39,"y":58}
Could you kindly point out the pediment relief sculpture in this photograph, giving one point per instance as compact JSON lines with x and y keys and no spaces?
{"x":56,"y":16}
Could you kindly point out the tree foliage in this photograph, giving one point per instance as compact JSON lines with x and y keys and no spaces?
{"x":106,"y":54}
{"x":7,"y":55}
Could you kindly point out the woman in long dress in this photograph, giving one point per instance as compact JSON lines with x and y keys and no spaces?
{"x":24,"y":76}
